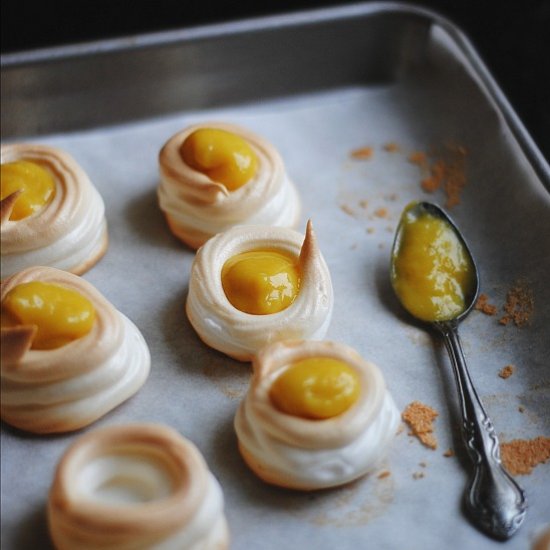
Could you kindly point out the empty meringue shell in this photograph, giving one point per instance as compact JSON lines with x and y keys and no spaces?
{"x":135,"y":486}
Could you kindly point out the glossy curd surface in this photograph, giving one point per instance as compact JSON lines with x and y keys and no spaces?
{"x":35,"y":184}
{"x":432,"y":272}
{"x":261,"y":282}
{"x":60,"y":314}
{"x":316,"y":388}
{"x":221,"y":155}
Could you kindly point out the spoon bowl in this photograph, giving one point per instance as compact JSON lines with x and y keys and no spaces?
{"x":435,"y":277}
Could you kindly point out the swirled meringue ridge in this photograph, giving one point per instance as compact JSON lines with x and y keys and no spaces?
{"x":69,"y":387}
{"x":68,"y":233}
{"x":136,"y":486}
{"x":307,"y":454}
{"x":241,"y":335}
{"x":196,"y":207}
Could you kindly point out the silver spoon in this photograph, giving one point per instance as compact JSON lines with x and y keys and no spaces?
{"x":493,"y":500}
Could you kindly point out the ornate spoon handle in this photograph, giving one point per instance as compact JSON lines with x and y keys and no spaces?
{"x":494,"y":501}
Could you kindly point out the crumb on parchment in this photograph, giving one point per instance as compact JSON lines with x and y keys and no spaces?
{"x":507,"y":371}
{"x":363,"y":153}
{"x":347,"y":209}
{"x":520,"y":456}
{"x":445,"y":170}
{"x":391,"y":147}
{"x":483,"y":305}
{"x":519,"y":305}
{"x":381,"y":212}
{"x":420,"y":418}
{"x":419,"y":158}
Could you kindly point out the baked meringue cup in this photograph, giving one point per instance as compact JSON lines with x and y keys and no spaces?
{"x":240,"y":334}
{"x":197,"y":176}
{"x":315,"y":451}
{"x":56,"y":377}
{"x":135,"y":486}
{"x":67,"y":229}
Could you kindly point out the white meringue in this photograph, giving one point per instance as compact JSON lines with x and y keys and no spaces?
{"x":70,"y":232}
{"x":196,"y":207}
{"x":66,"y":388}
{"x":136,"y":486}
{"x":305,"y":454}
{"x":241,"y":335}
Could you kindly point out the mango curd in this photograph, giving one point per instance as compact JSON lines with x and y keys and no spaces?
{"x":261,"y":282}
{"x":223,"y":156}
{"x":36,"y":183}
{"x":60,"y":314}
{"x":316,"y":388}
{"x":432,"y":272}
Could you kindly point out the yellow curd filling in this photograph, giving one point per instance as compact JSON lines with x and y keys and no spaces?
{"x":432,"y":272}
{"x":261,"y":281}
{"x":316,"y":388}
{"x":223,"y":156}
{"x":36,"y":184}
{"x":60,"y":314}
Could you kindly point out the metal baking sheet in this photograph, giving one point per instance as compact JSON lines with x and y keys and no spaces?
{"x":318,"y":85}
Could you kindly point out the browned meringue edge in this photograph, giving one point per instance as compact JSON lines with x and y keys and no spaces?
{"x":200,"y":188}
{"x":196,"y":188}
{"x":16,"y":341}
{"x":22,"y":364}
{"x":73,"y":520}
{"x":41,"y":154}
{"x":50,"y":275}
{"x":6,"y":206}
{"x":305,"y":433}
{"x":308,"y":256}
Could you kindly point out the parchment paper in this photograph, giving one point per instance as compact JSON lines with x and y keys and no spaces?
{"x":504,"y":214}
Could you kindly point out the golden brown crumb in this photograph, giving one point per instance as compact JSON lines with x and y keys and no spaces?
{"x":520,"y":456}
{"x":381,"y":212}
{"x":448,"y":453}
{"x":438,"y":173}
{"x":347,"y":209}
{"x":519,"y":305}
{"x":363,"y":203}
{"x":483,"y":305}
{"x":420,"y":418}
{"x":391,"y":147}
{"x":362,"y":153}
{"x":455,"y":174}
{"x":418,"y":475}
{"x":506,"y":371}
{"x":419,"y":158}
{"x":384,"y":474}
{"x":430,"y":184}
{"x":447,"y":171}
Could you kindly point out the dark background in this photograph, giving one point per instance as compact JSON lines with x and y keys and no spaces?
{"x":512,"y":37}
